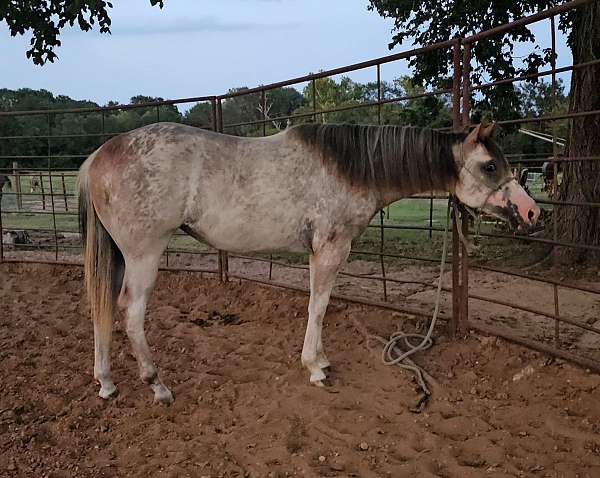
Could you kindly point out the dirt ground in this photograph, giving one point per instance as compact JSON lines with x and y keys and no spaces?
{"x":243,"y":404}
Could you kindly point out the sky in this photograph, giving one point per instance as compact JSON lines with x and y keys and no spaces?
{"x":197,"y":48}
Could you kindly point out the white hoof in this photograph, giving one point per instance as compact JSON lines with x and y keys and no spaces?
{"x":109,"y":391}
{"x":317,"y":376}
{"x":162,"y":395}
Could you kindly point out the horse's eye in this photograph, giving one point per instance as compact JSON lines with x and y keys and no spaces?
{"x":490,"y":167}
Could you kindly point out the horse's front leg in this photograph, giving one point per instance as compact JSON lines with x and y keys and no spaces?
{"x":325,"y":263}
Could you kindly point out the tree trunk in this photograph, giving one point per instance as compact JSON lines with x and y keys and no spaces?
{"x":581,"y":179}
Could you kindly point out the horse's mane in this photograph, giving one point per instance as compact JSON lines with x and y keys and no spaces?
{"x":402,"y":157}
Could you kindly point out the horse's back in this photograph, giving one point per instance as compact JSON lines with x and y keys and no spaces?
{"x":230,"y":190}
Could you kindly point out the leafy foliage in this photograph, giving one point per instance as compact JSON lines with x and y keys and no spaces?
{"x":535,"y":100}
{"x":426,"y":111}
{"x":73,"y":135}
{"x":46,"y":18}
{"x":432,"y":21}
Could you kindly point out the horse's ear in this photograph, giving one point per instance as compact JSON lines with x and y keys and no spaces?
{"x":482,"y":131}
{"x":473,"y":136}
{"x":486,"y":130}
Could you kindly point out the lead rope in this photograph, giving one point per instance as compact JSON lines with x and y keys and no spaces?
{"x":393,"y":354}
{"x":470,"y":245}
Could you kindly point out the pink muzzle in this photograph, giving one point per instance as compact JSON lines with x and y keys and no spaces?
{"x":512,"y":202}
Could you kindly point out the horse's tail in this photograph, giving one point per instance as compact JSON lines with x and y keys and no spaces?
{"x":103,"y":261}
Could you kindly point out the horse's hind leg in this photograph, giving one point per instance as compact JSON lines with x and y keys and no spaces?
{"x":324,"y":266}
{"x":102,"y":339}
{"x":140,"y":276}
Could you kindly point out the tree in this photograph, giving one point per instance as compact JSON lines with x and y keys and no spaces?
{"x":431,"y":21}
{"x":46,"y":18}
{"x":153,"y":114}
{"x":199,"y":115}
{"x":242,"y":109}
{"x":580,"y":178}
{"x":427,"y":111}
{"x":281,"y":102}
{"x":59,"y":125}
{"x":74,"y":135}
{"x":535,"y":99}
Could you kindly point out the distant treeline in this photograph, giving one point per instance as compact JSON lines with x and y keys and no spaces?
{"x":70,"y":142}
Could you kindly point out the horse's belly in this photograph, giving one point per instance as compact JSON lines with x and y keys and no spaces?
{"x":253,"y":236}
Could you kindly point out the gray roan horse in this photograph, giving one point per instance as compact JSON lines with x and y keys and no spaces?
{"x":309,"y":188}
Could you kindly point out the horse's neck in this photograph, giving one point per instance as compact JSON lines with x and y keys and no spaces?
{"x":422,"y":172}
{"x":389,"y":195}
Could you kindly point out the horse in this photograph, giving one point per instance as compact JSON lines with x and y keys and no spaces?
{"x":34,"y":184}
{"x":311,"y":188}
{"x":548,"y":177}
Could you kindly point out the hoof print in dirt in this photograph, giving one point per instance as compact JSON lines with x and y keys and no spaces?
{"x":216,"y":318}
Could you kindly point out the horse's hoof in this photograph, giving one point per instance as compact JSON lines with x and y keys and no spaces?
{"x":326,"y":385}
{"x":163,"y":395}
{"x":317,"y":375}
{"x":108,"y":392}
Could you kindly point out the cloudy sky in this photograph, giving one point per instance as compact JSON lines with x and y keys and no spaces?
{"x":194,"y":48}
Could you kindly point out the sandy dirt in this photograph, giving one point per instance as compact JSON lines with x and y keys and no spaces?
{"x":243,"y":404}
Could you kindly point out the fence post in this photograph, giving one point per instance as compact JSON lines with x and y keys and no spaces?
{"x":43,"y":191}
{"x":263,"y":101}
{"x":381,"y":213}
{"x":464,"y":217}
{"x":215,"y":127}
{"x":455,"y":325}
{"x":314,"y":105}
{"x":64,"y":188}
{"x":218,"y":127}
{"x":17,"y":185}
{"x":1,"y":232}
{"x":52,"y":187}
{"x":555,"y":183}
{"x":431,"y":216}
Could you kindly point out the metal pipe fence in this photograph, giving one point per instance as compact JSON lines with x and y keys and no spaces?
{"x":48,"y":215}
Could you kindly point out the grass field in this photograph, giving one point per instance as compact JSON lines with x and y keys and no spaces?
{"x":32,"y":214}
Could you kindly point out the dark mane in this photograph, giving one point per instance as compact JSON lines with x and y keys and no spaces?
{"x":405,"y":157}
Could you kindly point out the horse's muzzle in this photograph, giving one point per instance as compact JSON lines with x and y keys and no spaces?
{"x":514,"y":205}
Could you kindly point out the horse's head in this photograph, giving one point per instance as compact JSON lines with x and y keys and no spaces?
{"x":486,"y":182}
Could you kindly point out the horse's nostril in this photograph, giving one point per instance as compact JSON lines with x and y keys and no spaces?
{"x":531,"y":215}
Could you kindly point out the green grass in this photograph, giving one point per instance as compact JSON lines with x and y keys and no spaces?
{"x":29,"y":217}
